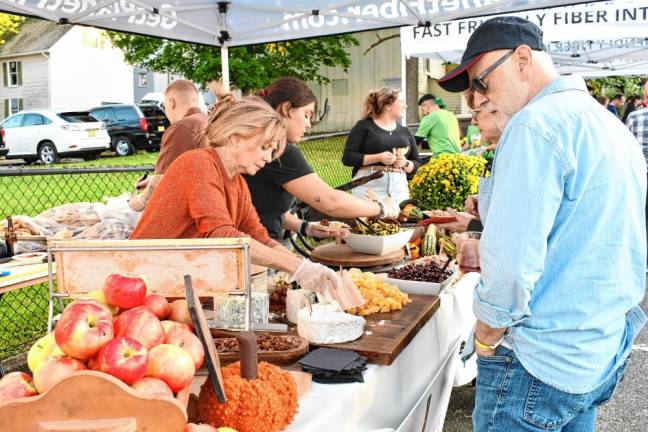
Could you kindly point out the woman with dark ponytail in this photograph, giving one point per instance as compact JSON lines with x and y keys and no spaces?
{"x":275,"y":187}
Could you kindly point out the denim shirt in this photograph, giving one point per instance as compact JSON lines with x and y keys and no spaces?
{"x":563,"y":251}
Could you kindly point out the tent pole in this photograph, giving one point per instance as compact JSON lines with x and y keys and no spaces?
{"x":225,"y":68}
{"x":404,"y":86}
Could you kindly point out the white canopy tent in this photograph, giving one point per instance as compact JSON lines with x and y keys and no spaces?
{"x":244,"y":22}
{"x":596,"y":39}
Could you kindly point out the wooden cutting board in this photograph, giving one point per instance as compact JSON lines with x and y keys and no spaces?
{"x":332,"y":254}
{"x":389,"y":333}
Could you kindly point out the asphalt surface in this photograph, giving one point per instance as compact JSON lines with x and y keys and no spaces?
{"x":627,"y":412}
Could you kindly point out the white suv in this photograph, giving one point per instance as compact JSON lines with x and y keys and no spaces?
{"x":46,"y":135}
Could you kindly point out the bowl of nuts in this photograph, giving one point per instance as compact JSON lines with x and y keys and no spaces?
{"x":422,"y":276}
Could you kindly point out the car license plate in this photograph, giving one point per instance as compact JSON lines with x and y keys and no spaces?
{"x":92,"y":133}
{"x":160,"y":128}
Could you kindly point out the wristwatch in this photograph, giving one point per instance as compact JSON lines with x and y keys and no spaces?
{"x":479,"y":344}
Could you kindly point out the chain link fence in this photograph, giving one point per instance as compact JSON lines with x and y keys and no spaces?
{"x":30,"y":191}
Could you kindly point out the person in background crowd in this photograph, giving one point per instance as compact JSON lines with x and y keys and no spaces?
{"x":380,"y":142}
{"x":438,"y":126}
{"x":638,"y":124}
{"x":276,"y":185}
{"x":603,"y":100}
{"x":645,"y":94}
{"x":473,"y":137}
{"x":187,"y":132}
{"x":615,"y":105}
{"x":440,"y":102}
{"x":203,"y":194}
{"x":555,"y":321}
{"x":632,"y":104}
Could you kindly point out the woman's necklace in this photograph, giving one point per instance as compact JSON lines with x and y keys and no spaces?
{"x":387,"y":128}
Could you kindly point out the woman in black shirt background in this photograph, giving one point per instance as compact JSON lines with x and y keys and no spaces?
{"x":275,"y":187}
{"x":380,"y":142}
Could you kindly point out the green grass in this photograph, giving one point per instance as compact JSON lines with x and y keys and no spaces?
{"x":23,"y":313}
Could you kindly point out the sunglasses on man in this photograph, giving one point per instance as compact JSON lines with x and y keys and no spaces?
{"x":478,"y":83}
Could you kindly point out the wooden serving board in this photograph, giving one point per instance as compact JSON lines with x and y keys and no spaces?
{"x":332,"y":254}
{"x":274,"y":357}
{"x":392,"y":331}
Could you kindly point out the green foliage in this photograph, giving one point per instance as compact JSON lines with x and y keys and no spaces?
{"x":251,"y":67}
{"x":609,"y":86}
{"x":9,"y":25}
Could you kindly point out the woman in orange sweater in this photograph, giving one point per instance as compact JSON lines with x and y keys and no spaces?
{"x":203,"y":193}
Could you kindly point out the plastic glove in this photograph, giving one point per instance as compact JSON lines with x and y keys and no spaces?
{"x":314,"y":277}
{"x":392,"y":210}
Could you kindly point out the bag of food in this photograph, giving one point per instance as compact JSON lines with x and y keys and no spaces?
{"x":109,"y":229}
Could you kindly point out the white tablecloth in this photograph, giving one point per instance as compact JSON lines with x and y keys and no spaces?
{"x":412,"y":393}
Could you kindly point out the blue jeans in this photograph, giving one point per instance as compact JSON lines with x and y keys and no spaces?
{"x":509,"y":399}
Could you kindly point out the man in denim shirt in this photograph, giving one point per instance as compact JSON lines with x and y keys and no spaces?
{"x":563,"y":249}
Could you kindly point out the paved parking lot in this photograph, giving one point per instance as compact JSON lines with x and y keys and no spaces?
{"x":627,"y":412}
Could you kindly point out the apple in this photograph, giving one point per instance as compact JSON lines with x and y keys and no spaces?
{"x":123,"y":358}
{"x":171,"y":364}
{"x":16,"y":385}
{"x":192,"y":427}
{"x":100,"y":296}
{"x":83,"y":329}
{"x":168,"y":325}
{"x":41,"y":349}
{"x":179,"y":312}
{"x":93,"y":363}
{"x":153,"y":387}
{"x":158,"y":305}
{"x":125,"y":292}
{"x":188,"y":342}
{"x":53,"y":370}
{"x":140,"y":324}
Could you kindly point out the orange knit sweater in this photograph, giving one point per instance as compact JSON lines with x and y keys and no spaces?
{"x":197,"y":199}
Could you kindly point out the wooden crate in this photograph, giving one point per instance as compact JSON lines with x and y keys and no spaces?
{"x":216,"y":266}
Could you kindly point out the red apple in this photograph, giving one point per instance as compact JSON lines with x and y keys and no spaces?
{"x":53,"y":370}
{"x":84,"y":327}
{"x":153,"y":387}
{"x":171,"y":364}
{"x":16,"y":385}
{"x":140,"y":324}
{"x":158,"y":305}
{"x":125,"y":292}
{"x":93,"y":363}
{"x":188,"y":342}
{"x":179,"y":312}
{"x":192,"y":427}
{"x":124,"y":358}
{"x":100,"y":296}
{"x":168,"y":325}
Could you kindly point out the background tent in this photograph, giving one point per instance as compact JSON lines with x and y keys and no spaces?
{"x":244,"y":22}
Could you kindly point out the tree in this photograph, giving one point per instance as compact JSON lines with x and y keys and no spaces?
{"x":609,"y":86}
{"x":9,"y":25}
{"x":251,"y":67}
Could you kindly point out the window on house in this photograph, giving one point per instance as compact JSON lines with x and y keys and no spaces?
{"x":15,"y":105}
{"x":142,"y":79}
{"x":340,"y":87}
{"x":12,"y":69}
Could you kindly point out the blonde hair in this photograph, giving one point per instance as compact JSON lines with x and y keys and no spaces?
{"x":378,"y":99}
{"x":243,"y":118}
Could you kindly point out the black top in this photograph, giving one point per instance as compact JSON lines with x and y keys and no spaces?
{"x":266,"y":187}
{"x":367,"y":137}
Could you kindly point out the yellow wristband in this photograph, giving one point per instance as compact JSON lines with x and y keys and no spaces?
{"x":484,"y":346}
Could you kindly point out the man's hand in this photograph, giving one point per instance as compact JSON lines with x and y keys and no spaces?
{"x":488,"y":336}
{"x":460,"y":225}
{"x":471,"y":205}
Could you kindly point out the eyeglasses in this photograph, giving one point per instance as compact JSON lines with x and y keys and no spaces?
{"x":478,"y":83}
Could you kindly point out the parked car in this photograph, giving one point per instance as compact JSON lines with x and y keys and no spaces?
{"x":127,"y":126}
{"x":46,"y":135}
{"x":157,"y":121}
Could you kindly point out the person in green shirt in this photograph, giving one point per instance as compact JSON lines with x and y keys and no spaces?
{"x":439,"y":126}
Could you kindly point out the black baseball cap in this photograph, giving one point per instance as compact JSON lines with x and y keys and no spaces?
{"x":506,"y":32}
{"x":426,"y":97}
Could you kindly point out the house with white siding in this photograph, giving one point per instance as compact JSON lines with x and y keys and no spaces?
{"x":49,"y":65}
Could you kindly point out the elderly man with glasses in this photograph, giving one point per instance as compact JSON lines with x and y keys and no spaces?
{"x":563,"y":248}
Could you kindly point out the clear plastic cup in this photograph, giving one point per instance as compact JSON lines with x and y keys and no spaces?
{"x":468,"y":247}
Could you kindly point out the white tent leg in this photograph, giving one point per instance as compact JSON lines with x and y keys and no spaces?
{"x":404,"y":87}
{"x":225,"y":68}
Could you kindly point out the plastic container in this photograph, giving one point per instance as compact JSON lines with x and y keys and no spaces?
{"x":378,"y":245}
